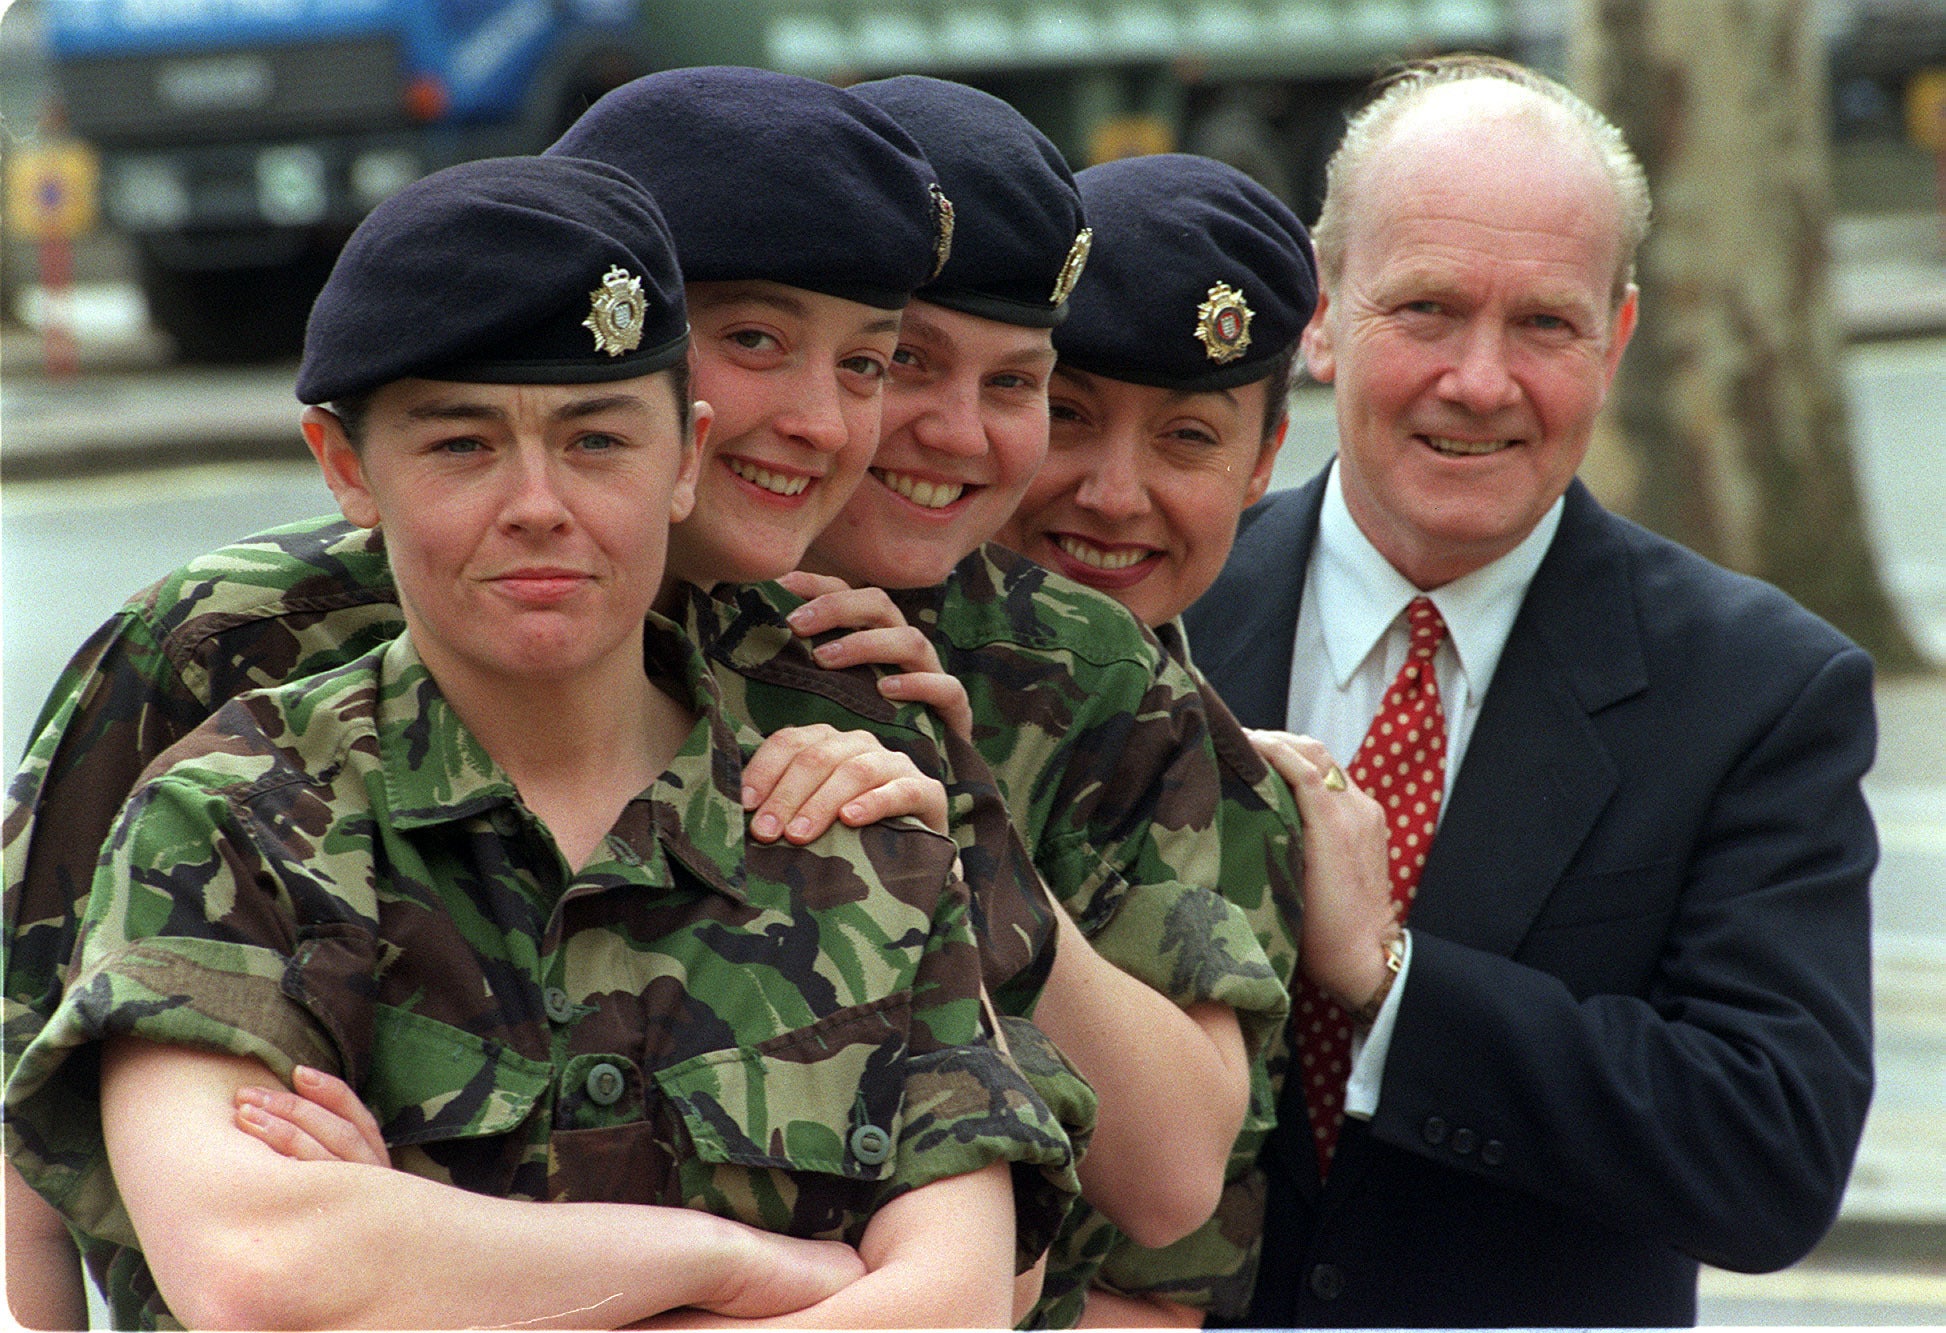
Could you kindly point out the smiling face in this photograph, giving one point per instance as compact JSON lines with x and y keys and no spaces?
{"x":526,"y":525}
{"x":1142,"y":487}
{"x":965,"y":428}
{"x":1471,"y":334}
{"x":795,"y":378}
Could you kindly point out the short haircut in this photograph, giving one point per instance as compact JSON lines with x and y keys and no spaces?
{"x":1398,"y":90}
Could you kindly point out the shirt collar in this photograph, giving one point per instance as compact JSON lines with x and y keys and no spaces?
{"x":1360,"y":594}
{"x":436,"y":772}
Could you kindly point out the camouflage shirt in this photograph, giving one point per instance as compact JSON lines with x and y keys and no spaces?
{"x":1215,"y":1266}
{"x":314,"y":595}
{"x":1160,"y":830}
{"x":335,"y":873}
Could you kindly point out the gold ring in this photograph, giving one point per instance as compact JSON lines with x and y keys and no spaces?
{"x":1335,"y":779}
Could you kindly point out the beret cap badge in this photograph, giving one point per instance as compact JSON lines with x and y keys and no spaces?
{"x":1223,"y":323}
{"x":1071,"y":268}
{"x":617,"y":311}
{"x":942,"y":221}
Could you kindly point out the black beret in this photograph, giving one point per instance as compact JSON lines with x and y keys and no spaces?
{"x":518,"y":270}
{"x":766,"y":175}
{"x":1200,"y":278}
{"x":1018,"y":239}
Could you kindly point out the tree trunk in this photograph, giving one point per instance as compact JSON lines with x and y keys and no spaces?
{"x":1729,"y":417}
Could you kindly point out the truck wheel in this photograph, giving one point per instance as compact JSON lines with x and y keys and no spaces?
{"x":234,"y":316}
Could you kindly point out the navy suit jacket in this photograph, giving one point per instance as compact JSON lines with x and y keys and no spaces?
{"x":1637,"y":1028}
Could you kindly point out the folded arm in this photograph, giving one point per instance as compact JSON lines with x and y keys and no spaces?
{"x":1163,"y":1075}
{"x":231,"y":1229}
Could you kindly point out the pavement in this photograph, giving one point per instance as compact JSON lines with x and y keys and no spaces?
{"x":127,"y":408}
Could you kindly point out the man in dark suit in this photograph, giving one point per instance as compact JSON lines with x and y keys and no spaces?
{"x":1627,"y":1024}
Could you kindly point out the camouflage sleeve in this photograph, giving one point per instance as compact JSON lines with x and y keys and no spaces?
{"x":769,"y":680}
{"x":119,"y":704}
{"x":149,"y":968}
{"x":970,"y":1098}
{"x":289,"y":602}
{"x":1134,"y":845}
{"x":1214,"y":1267}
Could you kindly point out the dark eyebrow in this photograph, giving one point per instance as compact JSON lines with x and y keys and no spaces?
{"x":464,"y":410}
{"x":1184,"y":395}
{"x":454,"y":411}
{"x":608,"y":402}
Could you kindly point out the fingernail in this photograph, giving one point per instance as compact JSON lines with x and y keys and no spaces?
{"x":749,"y":798}
{"x":764,"y":826}
{"x":250,"y":1115}
{"x":853,"y":812}
{"x":824,"y":651}
{"x":251,"y":1097}
{"x":305,"y":1074}
{"x":800,"y":617}
{"x":800,"y":827}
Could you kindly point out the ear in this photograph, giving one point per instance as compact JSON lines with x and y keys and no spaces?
{"x":344,"y":470}
{"x":1624,"y":329}
{"x":1320,"y":359}
{"x":682,"y":500}
{"x":1266,"y":461}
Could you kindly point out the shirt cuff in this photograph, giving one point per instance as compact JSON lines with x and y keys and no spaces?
{"x":1368,"y":1050}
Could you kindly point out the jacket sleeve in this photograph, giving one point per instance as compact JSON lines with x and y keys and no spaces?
{"x":1718,"y":1107}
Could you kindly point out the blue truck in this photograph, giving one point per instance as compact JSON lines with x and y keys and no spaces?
{"x":241,"y":140}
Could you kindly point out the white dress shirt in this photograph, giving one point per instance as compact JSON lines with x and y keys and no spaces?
{"x":1352,"y":638}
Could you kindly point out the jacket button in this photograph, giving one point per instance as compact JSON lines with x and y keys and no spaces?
{"x":870,"y":1144}
{"x":1493,"y":1152}
{"x":559,"y":1007}
{"x":1464,"y":1140}
{"x":1327,"y":1281}
{"x":605,"y":1084}
{"x":1434,"y":1130}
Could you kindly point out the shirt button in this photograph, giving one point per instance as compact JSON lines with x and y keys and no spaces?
{"x":1434,"y":1130}
{"x":605,"y":1084}
{"x":1493,"y":1152}
{"x":870,"y":1144}
{"x":1464,"y":1140}
{"x":1327,"y":1281}
{"x":559,"y":1007}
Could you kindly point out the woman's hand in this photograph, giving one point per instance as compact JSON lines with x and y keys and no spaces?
{"x":881,"y":636}
{"x":1348,"y":908}
{"x":320,"y":1120}
{"x":801,"y":779}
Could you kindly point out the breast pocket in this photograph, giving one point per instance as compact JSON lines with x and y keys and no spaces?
{"x":801,"y":1133}
{"x":460,"y":1097}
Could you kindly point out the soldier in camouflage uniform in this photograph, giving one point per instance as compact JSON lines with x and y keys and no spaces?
{"x":340,"y":874}
{"x":1168,"y":410}
{"x":1178,"y":868}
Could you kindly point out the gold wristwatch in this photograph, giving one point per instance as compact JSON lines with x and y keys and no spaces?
{"x":1367,"y":1013}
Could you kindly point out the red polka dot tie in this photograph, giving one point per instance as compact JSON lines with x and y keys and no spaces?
{"x":1402,"y":764}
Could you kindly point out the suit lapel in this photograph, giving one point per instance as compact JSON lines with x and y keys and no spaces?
{"x":1536,"y":773}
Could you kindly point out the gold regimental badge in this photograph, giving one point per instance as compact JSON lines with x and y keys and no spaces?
{"x":942,"y":231}
{"x":1071,"y":269}
{"x":1223,"y":323}
{"x":616,"y":311}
